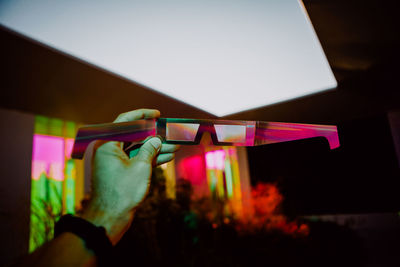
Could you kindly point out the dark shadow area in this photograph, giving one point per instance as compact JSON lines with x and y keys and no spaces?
{"x":177,"y":232}
{"x":361,"y":176}
{"x":344,"y":204}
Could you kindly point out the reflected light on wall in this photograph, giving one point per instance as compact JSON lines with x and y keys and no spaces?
{"x":215,"y":159}
{"x":223,"y":173}
{"x":192,"y":168}
{"x":69,"y":144}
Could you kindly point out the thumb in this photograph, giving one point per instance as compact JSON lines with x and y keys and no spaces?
{"x":149,"y":150}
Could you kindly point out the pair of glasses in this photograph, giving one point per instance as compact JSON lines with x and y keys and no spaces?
{"x":190,"y":132}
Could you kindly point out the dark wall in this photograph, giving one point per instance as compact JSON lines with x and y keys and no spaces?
{"x":394,"y":120}
{"x":15,"y":183}
{"x":361,"y":176}
{"x":37,"y":79}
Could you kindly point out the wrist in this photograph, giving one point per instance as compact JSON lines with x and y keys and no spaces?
{"x":94,"y":237}
{"x":115,"y":223}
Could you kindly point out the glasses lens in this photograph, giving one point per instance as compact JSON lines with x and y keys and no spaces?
{"x":231,"y":133}
{"x":181,"y":131}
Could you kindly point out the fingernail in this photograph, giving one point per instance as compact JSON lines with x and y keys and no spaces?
{"x":156,"y":142}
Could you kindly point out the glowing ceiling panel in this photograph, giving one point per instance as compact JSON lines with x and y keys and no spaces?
{"x":220,"y":56}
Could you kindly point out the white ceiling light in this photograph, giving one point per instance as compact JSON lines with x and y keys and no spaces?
{"x":220,"y":56}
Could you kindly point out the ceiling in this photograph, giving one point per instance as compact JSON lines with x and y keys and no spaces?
{"x":360,"y":39}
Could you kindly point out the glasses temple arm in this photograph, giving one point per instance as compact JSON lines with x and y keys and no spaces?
{"x":275,"y":132}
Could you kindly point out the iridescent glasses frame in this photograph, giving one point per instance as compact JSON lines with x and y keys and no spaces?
{"x":190,"y":132}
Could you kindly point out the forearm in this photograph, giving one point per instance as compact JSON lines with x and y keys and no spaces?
{"x":69,"y":249}
{"x":65,"y":250}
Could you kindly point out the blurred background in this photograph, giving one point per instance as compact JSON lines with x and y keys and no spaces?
{"x":288,"y":204}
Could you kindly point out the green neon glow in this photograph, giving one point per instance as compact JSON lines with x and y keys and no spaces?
{"x":213,"y":181}
{"x":41,"y":123}
{"x":46,"y":207}
{"x":56,"y":127}
{"x":50,"y":126}
{"x":220,"y":184}
{"x":228,"y":178}
{"x":70,"y":129}
{"x":70,"y":187}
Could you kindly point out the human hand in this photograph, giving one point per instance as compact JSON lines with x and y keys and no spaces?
{"x":120,"y":183}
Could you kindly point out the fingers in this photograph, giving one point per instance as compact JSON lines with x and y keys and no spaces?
{"x":164,"y":158}
{"x":109,"y":148}
{"x":169,"y":148}
{"x":138,"y":114}
{"x":165,"y":148}
{"x":149,"y":150}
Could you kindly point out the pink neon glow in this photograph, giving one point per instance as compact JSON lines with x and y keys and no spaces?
{"x":215,"y":159}
{"x":38,"y":167}
{"x":69,"y":144}
{"x":48,"y":157}
{"x":192,"y":168}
